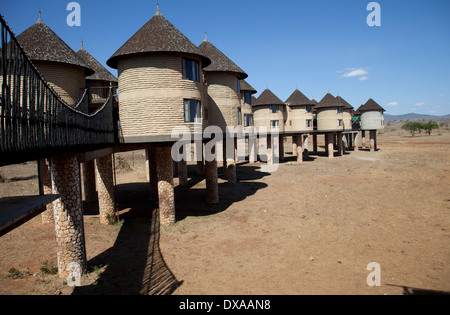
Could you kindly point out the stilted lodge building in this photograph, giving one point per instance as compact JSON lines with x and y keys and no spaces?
{"x":161,"y":83}
{"x":63,"y":69}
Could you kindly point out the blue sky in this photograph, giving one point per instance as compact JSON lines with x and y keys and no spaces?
{"x":318,"y":46}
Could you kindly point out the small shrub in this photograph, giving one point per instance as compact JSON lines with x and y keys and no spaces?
{"x":48,"y":269}
{"x":122,"y":164}
{"x":18,"y":274}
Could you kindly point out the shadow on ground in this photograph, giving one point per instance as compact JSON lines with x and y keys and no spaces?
{"x":135,"y":265}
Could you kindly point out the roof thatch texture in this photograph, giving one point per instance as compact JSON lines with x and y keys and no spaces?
{"x":42,"y":44}
{"x":101,"y":73}
{"x":219,"y":62}
{"x":371,"y":105}
{"x":298,"y":99}
{"x":267,"y":98}
{"x":344,"y":103}
{"x":157,"y":36}
{"x":329,"y":101}
{"x":247,"y":87}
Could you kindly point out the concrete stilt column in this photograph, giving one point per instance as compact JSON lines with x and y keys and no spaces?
{"x":294,"y":145}
{"x":68,"y":215}
{"x":330,"y":144}
{"x":340,"y":143}
{"x":281,"y":147}
{"x":252,"y":149}
{"x":201,"y":168}
{"x":89,"y":187}
{"x":229,"y":157}
{"x":166,"y":195}
{"x":363,"y":138}
{"x":373,"y":140}
{"x":306,"y":146}
{"x":152,"y":172}
{"x":350,"y":140}
{"x":46,"y":181}
{"x":105,"y":184}
{"x":299,"y":140}
{"x":315,"y":144}
{"x":211,"y":175}
{"x":356,"y":141}
{"x":183,"y":173}
{"x":199,"y":157}
{"x":269,"y":150}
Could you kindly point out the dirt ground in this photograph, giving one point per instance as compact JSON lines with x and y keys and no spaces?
{"x":308,"y":228}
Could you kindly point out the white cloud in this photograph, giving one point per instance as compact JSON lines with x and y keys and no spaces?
{"x":419,"y":104}
{"x":392,"y":104}
{"x":437,"y":106}
{"x":350,"y":73}
{"x":441,"y":95}
{"x":363,"y":78}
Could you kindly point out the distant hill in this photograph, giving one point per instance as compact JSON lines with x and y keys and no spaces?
{"x":414,"y":117}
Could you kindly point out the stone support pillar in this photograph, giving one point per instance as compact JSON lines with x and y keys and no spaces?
{"x":269,"y":150}
{"x":315,"y":144}
{"x":105,"y":184}
{"x":68,"y":215}
{"x":229,"y":160}
{"x":299,"y":140}
{"x":89,"y":187}
{"x":306,"y":146}
{"x":281,"y":147}
{"x":373,"y":140}
{"x":294,"y":145}
{"x":340,"y":143}
{"x":252,"y":149}
{"x":356,"y":141}
{"x":46,"y":181}
{"x":166,"y":195}
{"x":330,"y":144}
{"x":211,"y":175}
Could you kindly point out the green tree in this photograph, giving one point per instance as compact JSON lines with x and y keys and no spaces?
{"x":430,"y":126}
{"x":413,"y":127}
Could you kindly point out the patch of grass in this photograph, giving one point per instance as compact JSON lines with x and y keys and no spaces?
{"x":48,"y":269}
{"x":122,"y":164}
{"x":14,"y":273}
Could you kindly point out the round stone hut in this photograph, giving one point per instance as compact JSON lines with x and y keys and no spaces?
{"x":299,"y":113}
{"x":347,"y":113}
{"x":269,"y":111}
{"x":161,"y":84}
{"x":63,"y":69}
{"x":247,"y":92}
{"x":329,"y":114}
{"x":371,"y":116}
{"x":223,"y":81}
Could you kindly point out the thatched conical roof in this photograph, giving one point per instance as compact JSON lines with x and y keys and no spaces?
{"x":101,"y":73}
{"x":157,"y":36}
{"x":371,"y":105}
{"x":42,"y":44}
{"x":219,"y":62}
{"x":245,"y":86}
{"x":329,"y":101}
{"x":297,"y":98}
{"x":267,"y":98}
{"x":344,"y":103}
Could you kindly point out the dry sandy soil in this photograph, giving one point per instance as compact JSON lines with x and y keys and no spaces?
{"x":308,"y":228}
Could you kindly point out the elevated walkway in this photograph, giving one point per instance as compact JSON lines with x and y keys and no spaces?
{"x":14,"y":211}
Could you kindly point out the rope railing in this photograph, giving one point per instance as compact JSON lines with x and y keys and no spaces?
{"x":34,"y":118}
